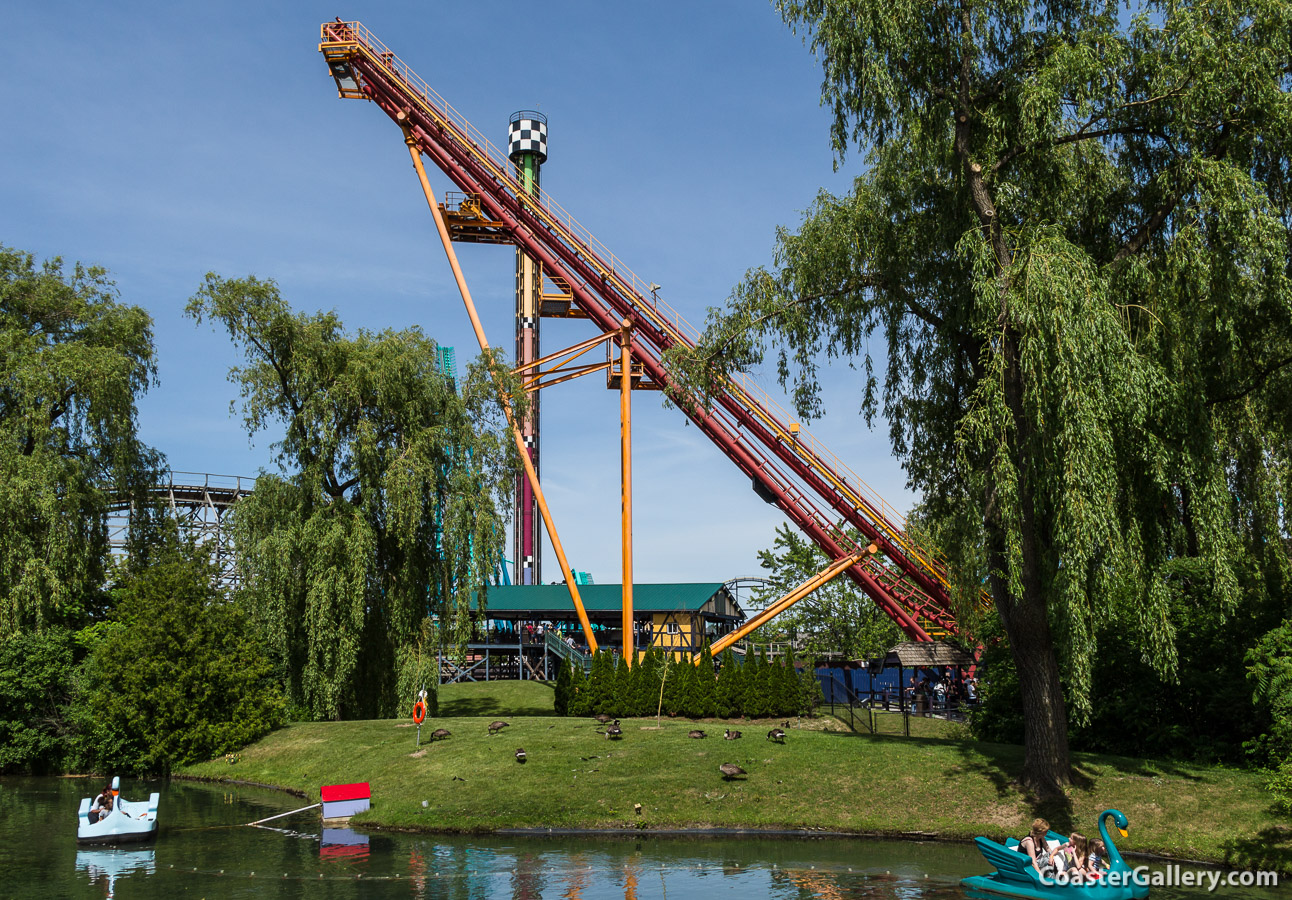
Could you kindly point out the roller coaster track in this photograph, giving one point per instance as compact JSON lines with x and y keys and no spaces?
{"x":824,"y":498}
{"x":199,"y":503}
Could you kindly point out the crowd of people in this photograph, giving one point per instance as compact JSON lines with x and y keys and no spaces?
{"x":928,"y":690}
{"x":941,"y":689}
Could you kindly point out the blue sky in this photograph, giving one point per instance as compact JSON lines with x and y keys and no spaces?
{"x":163,"y":141}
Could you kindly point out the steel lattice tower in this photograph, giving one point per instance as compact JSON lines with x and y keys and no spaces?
{"x":527,"y":149}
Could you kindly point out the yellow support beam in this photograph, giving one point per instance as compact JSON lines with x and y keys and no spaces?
{"x":820,"y":579}
{"x":530,"y":472}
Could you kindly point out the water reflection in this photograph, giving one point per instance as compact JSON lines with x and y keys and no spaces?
{"x":105,"y":866}
{"x":343,"y":843}
{"x":205,"y":850}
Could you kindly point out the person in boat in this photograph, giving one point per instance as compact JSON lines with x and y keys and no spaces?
{"x":1073,"y":857}
{"x":1034,"y":844}
{"x":1098,"y":859}
{"x":102,"y":805}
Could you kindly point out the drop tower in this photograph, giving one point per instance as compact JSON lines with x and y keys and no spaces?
{"x":527,"y":149}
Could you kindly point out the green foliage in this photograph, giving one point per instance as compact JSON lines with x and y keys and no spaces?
{"x":1072,"y":236}
{"x":809,"y":694}
{"x":621,"y":694}
{"x":178,"y":677}
{"x":646,"y":682}
{"x":601,"y":683}
{"x":37,"y":678}
{"x":756,"y":694}
{"x":73,"y":363}
{"x":1280,"y":785}
{"x":999,"y":716}
{"x":706,"y":695}
{"x":1204,"y":714}
{"x":689,"y":690}
{"x":787,"y":686}
{"x":416,"y":672}
{"x":728,"y":688}
{"x":561,"y":699}
{"x":835,"y":618}
{"x":1269,"y":667}
{"x":580,"y":695}
{"x":390,"y":505}
{"x":675,"y":687}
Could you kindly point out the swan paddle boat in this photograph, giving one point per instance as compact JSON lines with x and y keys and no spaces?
{"x":1015,"y":876}
{"x":127,"y":821}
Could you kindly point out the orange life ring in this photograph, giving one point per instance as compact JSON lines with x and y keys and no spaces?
{"x":419,"y":711}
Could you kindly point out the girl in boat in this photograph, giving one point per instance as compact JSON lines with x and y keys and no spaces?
{"x":1075,"y":857}
{"x":1098,"y":860}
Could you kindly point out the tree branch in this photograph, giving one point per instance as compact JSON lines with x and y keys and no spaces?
{"x":1141,"y":236}
{"x":1256,"y":383}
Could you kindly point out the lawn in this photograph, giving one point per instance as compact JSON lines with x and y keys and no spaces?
{"x":824,"y":777}
{"x":496,"y":698}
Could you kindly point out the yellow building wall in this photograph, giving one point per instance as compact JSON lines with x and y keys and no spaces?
{"x":688,"y":631}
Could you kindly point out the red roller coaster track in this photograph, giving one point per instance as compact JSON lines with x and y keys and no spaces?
{"x":822,"y":496}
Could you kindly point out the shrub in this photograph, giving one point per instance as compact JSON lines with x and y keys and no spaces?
{"x":36,"y":677}
{"x":176,"y":676}
{"x":561,"y":701}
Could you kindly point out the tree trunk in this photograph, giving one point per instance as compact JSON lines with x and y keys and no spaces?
{"x":1046,"y":766}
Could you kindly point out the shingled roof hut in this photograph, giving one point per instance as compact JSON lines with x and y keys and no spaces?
{"x":927,"y":654}
{"x":923,"y":655}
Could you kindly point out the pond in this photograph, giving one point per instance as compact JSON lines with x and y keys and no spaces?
{"x":205,"y":850}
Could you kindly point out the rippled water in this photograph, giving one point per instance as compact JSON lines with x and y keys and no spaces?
{"x":204,"y":850}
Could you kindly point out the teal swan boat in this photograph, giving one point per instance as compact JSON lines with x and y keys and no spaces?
{"x":1015,"y":876}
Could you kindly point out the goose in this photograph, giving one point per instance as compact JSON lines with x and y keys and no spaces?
{"x":520,"y":754}
{"x":613,"y":730}
{"x":776,"y":735}
{"x":440,"y":733}
{"x":730,"y":735}
{"x":695,"y":733}
{"x":603,"y":719}
{"x":495,"y":727}
{"x":730,"y":771}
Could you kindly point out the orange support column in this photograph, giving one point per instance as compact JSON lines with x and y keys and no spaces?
{"x":530,"y":472}
{"x":626,"y":482}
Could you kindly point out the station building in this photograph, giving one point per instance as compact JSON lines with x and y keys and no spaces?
{"x":528,"y":629}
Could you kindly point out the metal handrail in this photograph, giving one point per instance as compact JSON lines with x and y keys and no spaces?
{"x":577,"y":657}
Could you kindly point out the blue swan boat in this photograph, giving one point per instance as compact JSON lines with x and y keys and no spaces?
{"x":1015,"y":876}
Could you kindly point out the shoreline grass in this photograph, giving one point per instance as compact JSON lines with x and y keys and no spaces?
{"x":824,"y":778}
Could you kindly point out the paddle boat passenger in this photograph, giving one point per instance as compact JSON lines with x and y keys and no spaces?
{"x":1019,"y":873}
{"x":1034,"y":845}
{"x":1073,"y":857}
{"x":102,"y":805}
{"x":1098,"y":860}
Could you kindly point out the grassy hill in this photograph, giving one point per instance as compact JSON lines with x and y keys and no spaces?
{"x":824,"y":777}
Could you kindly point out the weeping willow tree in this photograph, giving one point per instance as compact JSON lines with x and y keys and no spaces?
{"x":74,"y":361}
{"x":387,"y":508}
{"x":1072,"y":234}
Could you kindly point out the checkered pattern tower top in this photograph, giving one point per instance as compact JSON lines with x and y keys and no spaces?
{"x":527,"y":133}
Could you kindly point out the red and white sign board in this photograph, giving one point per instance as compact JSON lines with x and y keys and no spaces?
{"x":340,"y":801}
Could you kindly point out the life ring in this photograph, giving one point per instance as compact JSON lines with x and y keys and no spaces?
{"x":419,"y":711}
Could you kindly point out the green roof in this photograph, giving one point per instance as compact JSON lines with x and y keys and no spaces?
{"x":601,"y":598}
